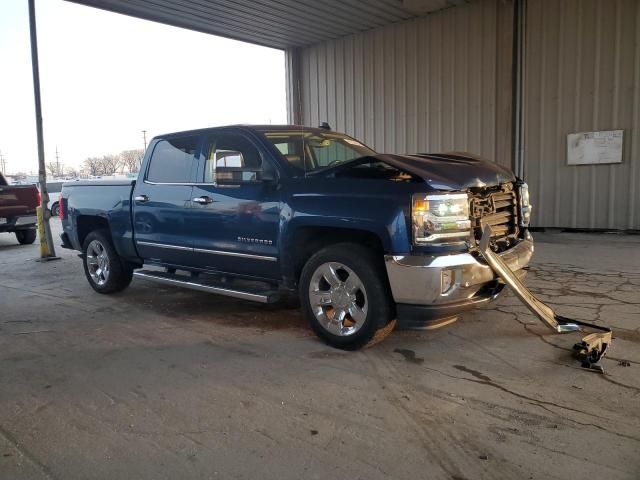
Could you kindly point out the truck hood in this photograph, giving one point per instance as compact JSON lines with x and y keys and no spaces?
{"x":441,"y":171}
{"x":450,"y":171}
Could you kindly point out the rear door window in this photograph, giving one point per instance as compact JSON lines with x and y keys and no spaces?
{"x":173,"y":160}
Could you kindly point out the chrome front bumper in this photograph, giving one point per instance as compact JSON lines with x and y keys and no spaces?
{"x":418,"y":280}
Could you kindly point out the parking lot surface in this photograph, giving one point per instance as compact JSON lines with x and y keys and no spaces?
{"x":159,"y":382}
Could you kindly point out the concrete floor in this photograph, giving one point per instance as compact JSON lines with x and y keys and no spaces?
{"x":162,"y":382}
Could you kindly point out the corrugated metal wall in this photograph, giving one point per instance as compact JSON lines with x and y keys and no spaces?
{"x":444,"y":82}
{"x":436,"y":83}
{"x":582,"y":74}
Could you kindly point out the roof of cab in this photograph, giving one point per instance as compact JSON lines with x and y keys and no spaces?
{"x":257,"y":128}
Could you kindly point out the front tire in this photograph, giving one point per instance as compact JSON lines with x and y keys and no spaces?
{"x":103,"y":267}
{"x":26,"y":237}
{"x":55,"y":210}
{"x":346,"y":297}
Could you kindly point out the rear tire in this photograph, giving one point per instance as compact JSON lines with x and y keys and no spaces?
{"x":26,"y":237}
{"x":105,"y":270}
{"x":55,"y":210}
{"x":346,"y":297}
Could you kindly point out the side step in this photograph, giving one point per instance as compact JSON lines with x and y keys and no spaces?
{"x":210,"y":286}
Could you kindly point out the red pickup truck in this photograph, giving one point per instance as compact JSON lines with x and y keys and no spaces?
{"x":18,"y":210}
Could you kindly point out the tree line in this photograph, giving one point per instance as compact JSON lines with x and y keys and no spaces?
{"x":127,"y":160}
{"x":110,"y":164}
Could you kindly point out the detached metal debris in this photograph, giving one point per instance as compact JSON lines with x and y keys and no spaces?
{"x":592,"y":347}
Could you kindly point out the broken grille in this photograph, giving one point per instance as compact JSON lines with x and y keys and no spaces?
{"x":497,"y":207}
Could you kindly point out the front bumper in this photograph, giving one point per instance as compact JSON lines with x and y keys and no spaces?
{"x":419,"y":290}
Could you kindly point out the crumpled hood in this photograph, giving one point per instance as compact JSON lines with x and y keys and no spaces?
{"x":450,"y":171}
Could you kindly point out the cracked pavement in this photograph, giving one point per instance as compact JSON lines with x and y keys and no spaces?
{"x":160,"y":382}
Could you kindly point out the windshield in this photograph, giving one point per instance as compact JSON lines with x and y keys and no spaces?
{"x":310,"y":150}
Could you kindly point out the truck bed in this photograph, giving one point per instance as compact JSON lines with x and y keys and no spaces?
{"x":17,"y":200}
{"x":109,"y":200}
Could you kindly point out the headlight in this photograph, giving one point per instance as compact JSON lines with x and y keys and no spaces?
{"x":440,"y":218}
{"x":525,"y":205}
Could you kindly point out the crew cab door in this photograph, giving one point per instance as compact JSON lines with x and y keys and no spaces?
{"x":162,"y":201}
{"x":235,"y":210}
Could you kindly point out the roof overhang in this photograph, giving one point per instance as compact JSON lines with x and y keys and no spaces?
{"x":275,"y":23}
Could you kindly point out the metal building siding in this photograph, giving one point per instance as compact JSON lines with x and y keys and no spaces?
{"x":439,"y":82}
{"x":582,"y":74}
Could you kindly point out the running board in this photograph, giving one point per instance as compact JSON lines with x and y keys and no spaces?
{"x":265,"y":296}
{"x":592,"y":347}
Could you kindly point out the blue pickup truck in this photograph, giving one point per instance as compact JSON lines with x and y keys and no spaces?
{"x":258,"y":212}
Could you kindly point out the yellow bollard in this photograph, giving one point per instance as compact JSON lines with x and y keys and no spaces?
{"x":44,"y":247}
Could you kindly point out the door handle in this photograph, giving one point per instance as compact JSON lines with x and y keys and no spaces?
{"x":203,"y":200}
{"x":141,"y":198}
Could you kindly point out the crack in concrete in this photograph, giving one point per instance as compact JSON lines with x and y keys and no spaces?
{"x":594,"y":461}
{"x":584,"y":424}
{"x":485,"y":380}
{"x":44,"y":469}
{"x":32,"y":331}
{"x":570,"y":278}
{"x":526,"y":327}
{"x":606,"y":378}
{"x":573,"y":270}
{"x":486,"y":350}
{"x":551,"y":344}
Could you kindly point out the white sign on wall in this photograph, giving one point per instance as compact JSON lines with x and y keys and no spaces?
{"x":589,"y":148}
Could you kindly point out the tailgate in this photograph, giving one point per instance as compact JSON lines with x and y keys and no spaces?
{"x":18,"y":200}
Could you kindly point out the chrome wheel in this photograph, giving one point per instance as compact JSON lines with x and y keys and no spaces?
{"x":98,"y":263}
{"x":338,"y":299}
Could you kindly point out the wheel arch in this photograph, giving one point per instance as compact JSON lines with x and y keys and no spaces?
{"x":85,"y":224}
{"x":307,"y":240}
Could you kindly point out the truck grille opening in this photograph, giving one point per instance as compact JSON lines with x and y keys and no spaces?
{"x":498,"y":207}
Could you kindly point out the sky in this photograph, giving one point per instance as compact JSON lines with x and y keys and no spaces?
{"x":106,"y":77}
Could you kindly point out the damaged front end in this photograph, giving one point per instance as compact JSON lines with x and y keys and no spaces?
{"x":592,"y":347}
{"x":478,"y":204}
